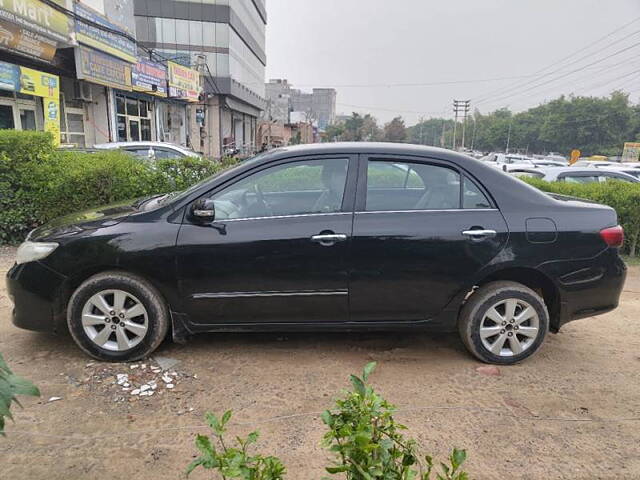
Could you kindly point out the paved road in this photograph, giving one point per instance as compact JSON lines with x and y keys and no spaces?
{"x":565,"y":413}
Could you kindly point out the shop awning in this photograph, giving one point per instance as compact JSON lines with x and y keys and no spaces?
{"x":242,"y":107}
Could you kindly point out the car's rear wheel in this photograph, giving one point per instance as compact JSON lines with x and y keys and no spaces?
{"x":115,"y":316}
{"x":503,"y":322}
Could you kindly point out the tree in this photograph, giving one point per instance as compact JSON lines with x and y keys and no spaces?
{"x":395,"y":131}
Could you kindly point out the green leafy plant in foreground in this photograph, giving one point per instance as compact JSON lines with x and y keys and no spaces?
{"x":233,"y":462}
{"x":369,"y":444}
{"x":10,"y":386}
{"x":367,"y":441}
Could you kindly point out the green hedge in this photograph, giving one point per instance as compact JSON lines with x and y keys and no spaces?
{"x":623,"y":197}
{"x":38,"y":183}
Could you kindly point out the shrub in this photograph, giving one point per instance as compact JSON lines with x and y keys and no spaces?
{"x":362,"y":433}
{"x":38,"y":183}
{"x":10,"y":386}
{"x":622,"y":196}
{"x":233,"y":462}
{"x":369,"y":444}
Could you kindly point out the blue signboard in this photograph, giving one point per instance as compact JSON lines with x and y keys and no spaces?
{"x":149,"y":77}
{"x":103,"y":40}
{"x":9,"y":77}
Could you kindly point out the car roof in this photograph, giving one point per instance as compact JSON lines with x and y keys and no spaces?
{"x":138,"y":144}
{"x":555,"y":171}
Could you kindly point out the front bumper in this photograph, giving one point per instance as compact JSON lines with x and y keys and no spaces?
{"x":36,"y":291}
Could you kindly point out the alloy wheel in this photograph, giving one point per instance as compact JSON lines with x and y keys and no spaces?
{"x":509,"y":327}
{"x":115,"y":320}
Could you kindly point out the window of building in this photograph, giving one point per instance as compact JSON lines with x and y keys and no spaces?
{"x":133,"y":121}
{"x":20,"y":112}
{"x":72,"y":122}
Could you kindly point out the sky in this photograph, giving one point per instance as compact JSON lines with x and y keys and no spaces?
{"x":413,"y":57}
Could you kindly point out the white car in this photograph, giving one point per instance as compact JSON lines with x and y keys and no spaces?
{"x":150,"y":150}
{"x":575,"y":174}
{"x":504,"y":161}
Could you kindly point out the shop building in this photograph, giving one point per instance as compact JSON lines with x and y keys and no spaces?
{"x":224,"y":40}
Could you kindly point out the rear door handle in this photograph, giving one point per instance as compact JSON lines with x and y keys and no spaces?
{"x":479,"y":233}
{"x":328,"y":239}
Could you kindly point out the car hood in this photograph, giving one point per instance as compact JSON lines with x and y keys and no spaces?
{"x":78,"y":222}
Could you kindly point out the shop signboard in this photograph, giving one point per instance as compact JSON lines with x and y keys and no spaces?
{"x":9,"y":77}
{"x":103,"y":69}
{"x":38,"y":17}
{"x":184,"y":82}
{"x":631,"y":152}
{"x":149,"y":77}
{"x":102,"y":39}
{"x":40,"y":84}
{"x":24,"y":41}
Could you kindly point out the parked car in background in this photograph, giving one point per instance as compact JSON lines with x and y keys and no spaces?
{"x":594,"y":163}
{"x":586,"y":175}
{"x":499,"y":159}
{"x":556,"y":157}
{"x":334,"y":236}
{"x":150,"y":150}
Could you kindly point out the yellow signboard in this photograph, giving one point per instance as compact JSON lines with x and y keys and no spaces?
{"x":47,"y":86}
{"x":38,"y":17}
{"x":631,"y":152}
{"x":575,"y":156}
{"x":184,"y":82}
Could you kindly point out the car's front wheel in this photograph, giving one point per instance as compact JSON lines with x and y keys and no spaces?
{"x":116,"y":316}
{"x":503,"y":322}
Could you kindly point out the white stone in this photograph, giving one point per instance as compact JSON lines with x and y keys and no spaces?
{"x":135,"y":391}
{"x":144,"y":388}
{"x":170,"y":385}
{"x":54,"y":399}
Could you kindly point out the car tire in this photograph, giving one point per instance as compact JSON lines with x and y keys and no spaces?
{"x":503,"y":323}
{"x":135,"y":325}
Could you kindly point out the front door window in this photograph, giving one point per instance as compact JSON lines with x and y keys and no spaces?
{"x":305,"y":187}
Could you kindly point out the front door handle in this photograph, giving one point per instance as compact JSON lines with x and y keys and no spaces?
{"x":328,"y":239}
{"x":478,"y":234}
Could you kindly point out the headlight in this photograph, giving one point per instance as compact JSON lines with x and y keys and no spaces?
{"x":32,"y":251}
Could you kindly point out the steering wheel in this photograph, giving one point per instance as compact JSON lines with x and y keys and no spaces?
{"x":260,"y":199}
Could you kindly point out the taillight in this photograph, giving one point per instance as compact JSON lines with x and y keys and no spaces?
{"x":613,"y":236}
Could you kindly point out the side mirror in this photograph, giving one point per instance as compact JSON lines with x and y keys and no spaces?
{"x":203,"y":211}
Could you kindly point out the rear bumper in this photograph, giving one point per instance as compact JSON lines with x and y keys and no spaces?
{"x":35,"y":292}
{"x":588,"y":287}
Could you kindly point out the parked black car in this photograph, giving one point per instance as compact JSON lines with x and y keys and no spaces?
{"x":326,"y":237}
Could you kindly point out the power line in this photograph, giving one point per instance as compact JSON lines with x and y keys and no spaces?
{"x":517,"y":85}
{"x":500,"y":98}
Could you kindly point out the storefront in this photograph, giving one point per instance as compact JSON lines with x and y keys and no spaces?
{"x":134,"y":118}
{"x":29,"y":99}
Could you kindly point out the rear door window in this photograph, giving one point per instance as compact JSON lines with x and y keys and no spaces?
{"x":404,"y":186}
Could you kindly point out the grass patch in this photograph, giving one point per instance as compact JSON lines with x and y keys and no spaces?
{"x":631,"y":261}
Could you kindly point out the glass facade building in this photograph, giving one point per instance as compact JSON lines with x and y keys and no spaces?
{"x":225,"y":40}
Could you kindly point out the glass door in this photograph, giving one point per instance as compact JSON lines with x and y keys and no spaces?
{"x":134,"y":130}
{"x":6,"y":117}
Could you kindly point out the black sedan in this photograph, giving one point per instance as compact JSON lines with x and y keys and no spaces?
{"x":326,"y":237}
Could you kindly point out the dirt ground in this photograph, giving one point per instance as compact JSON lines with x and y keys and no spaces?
{"x":571,"y":411}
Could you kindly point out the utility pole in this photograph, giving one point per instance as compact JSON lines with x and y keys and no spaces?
{"x":509,"y":135}
{"x":473,"y":137}
{"x":444,"y":124}
{"x":460,"y":107}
